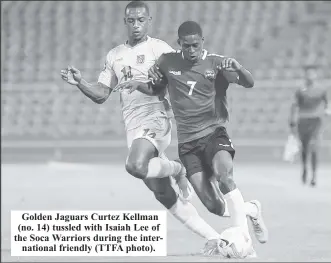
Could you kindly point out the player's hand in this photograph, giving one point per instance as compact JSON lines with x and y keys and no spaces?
{"x":130,"y":86}
{"x":154,"y":74}
{"x":229,"y":64}
{"x":71,"y":75}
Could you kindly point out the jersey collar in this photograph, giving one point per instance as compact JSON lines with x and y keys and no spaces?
{"x":127,"y":42}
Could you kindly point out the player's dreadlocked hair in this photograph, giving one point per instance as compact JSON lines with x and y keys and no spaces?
{"x":189,"y":28}
{"x":136,"y":4}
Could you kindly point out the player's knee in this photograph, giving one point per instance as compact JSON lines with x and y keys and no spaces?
{"x":137,"y":168}
{"x":223,"y":168}
{"x":224,"y":174}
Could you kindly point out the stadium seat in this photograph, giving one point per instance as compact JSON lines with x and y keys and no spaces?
{"x":40,"y":38}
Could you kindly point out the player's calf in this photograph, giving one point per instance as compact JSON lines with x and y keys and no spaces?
{"x":207,"y":194}
{"x":162,"y":190}
{"x":223,"y":170}
{"x":304,"y":155}
{"x":314,"y":145}
{"x":214,"y":206}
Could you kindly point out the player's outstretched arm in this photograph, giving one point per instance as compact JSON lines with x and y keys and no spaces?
{"x":243,"y":76}
{"x":154,"y":87}
{"x":147,"y":88}
{"x":157,"y":84}
{"x":97,"y":92}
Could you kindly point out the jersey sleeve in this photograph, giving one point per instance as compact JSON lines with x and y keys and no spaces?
{"x":160,"y":47}
{"x":107,"y":76}
{"x":230,"y":76}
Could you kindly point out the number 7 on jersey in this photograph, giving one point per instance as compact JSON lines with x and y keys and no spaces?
{"x":192,"y":84}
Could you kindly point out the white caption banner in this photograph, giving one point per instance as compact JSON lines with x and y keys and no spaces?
{"x":88,"y":233}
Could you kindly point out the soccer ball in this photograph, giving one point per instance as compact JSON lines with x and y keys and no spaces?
{"x":236,"y":244}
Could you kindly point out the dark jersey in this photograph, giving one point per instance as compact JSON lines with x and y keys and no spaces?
{"x":221,"y":102}
{"x":192,"y":92}
{"x":311,"y":102}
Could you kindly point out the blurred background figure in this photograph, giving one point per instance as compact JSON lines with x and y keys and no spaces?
{"x":308,"y":113}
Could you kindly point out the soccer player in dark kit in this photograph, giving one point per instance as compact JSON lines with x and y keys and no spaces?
{"x":310,"y":106}
{"x":192,"y":76}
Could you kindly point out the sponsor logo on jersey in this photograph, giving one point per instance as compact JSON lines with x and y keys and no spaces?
{"x":225,"y":145}
{"x":210,"y":74}
{"x":140,"y":59}
{"x":176,"y":73}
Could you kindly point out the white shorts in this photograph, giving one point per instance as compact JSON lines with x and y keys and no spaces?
{"x":157,"y":130}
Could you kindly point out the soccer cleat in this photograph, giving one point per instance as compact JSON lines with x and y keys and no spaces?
{"x":252,"y":253}
{"x":185,"y":187}
{"x":260,"y":229}
{"x":212,"y":247}
{"x":221,"y":247}
{"x":313,"y":183}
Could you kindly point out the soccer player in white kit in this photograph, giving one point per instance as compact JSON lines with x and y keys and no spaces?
{"x":146,"y":119}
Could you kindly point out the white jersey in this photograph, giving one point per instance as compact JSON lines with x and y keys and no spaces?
{"x":125,"y":63}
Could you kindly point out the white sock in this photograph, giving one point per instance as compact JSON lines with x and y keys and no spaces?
{"x":158,"y":168}
{"x":236,"y":207}
{"x":188,"y":215}
{"x":250,"y":210}
{"x":226,"y":211}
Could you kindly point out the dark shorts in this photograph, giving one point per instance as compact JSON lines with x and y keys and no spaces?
{"x":197,"y":155}
{"x":309,"y":129}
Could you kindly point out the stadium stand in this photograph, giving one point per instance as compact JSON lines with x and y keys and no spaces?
{"x":41,"y":37}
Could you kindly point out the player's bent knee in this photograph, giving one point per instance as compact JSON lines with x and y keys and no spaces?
{"x":223,"y":165}
{"x":137,"y":169}
{"x":223,"y":171}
